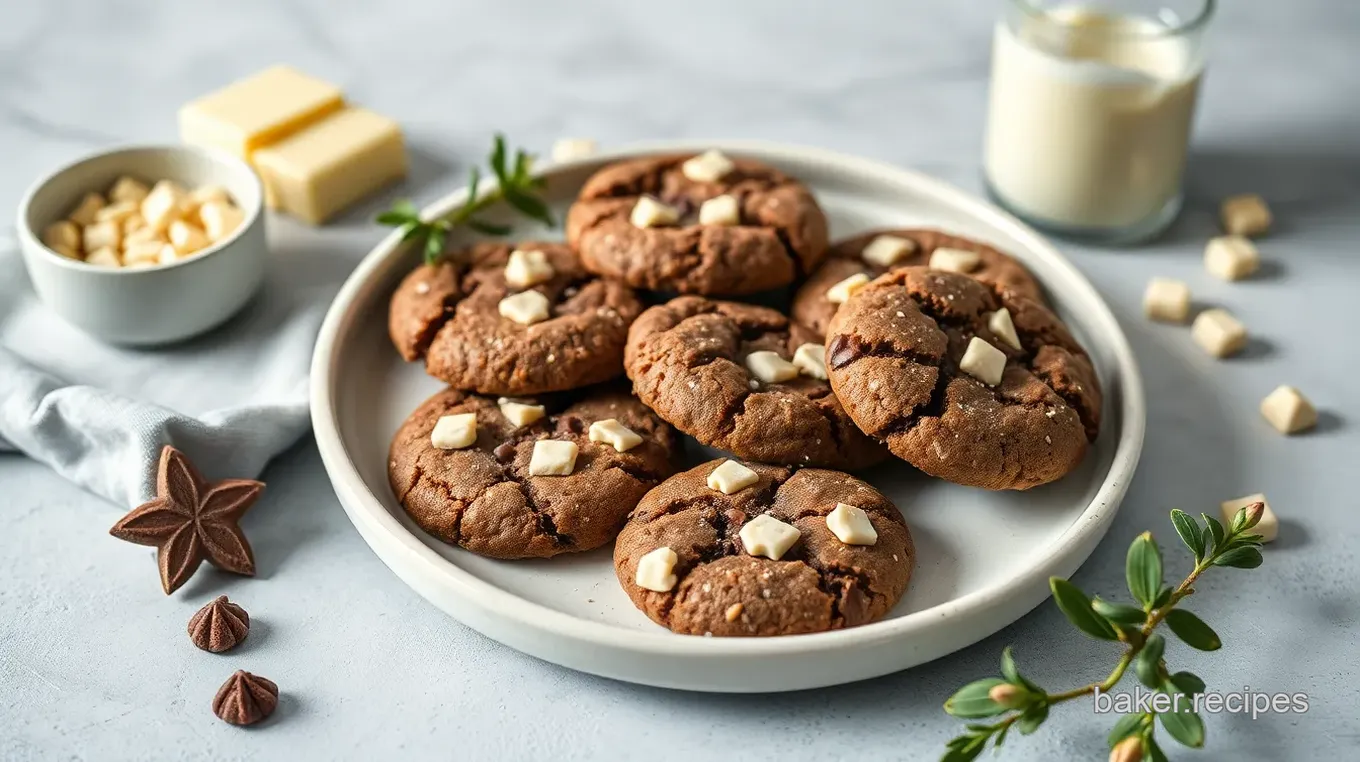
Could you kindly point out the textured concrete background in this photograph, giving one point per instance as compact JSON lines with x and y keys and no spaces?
{"x":93,"y":660}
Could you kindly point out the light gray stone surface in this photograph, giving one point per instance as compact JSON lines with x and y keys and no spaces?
{"x":93,"y":659}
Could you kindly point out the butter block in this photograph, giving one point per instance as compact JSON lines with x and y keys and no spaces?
{"x":326,"y":167}
{"x":258,"y":110}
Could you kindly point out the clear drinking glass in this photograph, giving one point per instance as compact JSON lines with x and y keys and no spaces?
{"x":1090,"y":111}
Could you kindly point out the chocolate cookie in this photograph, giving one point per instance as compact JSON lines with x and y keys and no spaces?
{"x":763,"y":231}
{"x":485,"y":496}
{"x":698,"y":363}
{"x":456,"y":315}
{"x":1001,"y":273}
{"x":715,"y":585}
{"x":906,"y":354}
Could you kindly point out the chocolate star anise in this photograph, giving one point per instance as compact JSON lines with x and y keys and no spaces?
{"x":245,"y":699}
{"x":190,"y":520}
{"x":219,"y":626}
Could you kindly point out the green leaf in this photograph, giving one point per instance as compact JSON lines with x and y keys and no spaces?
{"x":1213,"y":534}
{"x":1185,"y":726}
{"x":1001,"y":736}
{"x":1147,"y":665}
{"x":434,"y":245}
{"x":1076,"y":606}
{"x":1151,"y":751}
{"x":402,"y":211}
{"x":1240,"y":558}
{"x":474,"y":180}
{"x":413,"y":230}
{"x":488,"y":228}
{"x":1032,"y":719}
{"x":1143,"y":568}
{"x":972,"y":700}
{"x":1188,"y":529}
{"x":497,"y":159}
{"x":394,"y":219}
{"x":1127,"y":726}
{"x":530,"y":205}
{"x":1246,"y":541}
{"x":1120,"y":613}
{"x":1193,"y":630}
{"x":523,"y":166}
{"x":1008,"y":669}
{"x":1163,"y":598}
{"x":1187,"y":683}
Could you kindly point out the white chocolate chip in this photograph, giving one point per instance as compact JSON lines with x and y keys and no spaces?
{"x":707,"y":167}
{"x":614,"y":434}
{"x":85,"y":211}
{"x":525,"y":308}
{"x":767,"y":536}
{"x":842,"y":291}
{"x":101,"y":234}
{"x":527,"y":268}
{"x":568,"y":149}
{"x":1167,"y":300}
{"x":187,"y":238}
{"x":954,"y":260}
{"x":205,"y":194}
{"x":128,"y":190}
{"x":132,"y":223}
{"x":62,"y":235}
{"x":770,"y":368}
{"x":1000,"y":323}
{"x":1231,"y":257}
{"x":984,"y":362}
{"x":1288,"y":410}
{"x":656,"y":570}
{"x":66,"y":251}
{"x":162,"y":205}
{"x":454,"y":432}
{"x":886,"y":250}
{"x":1219,"y":333}
{"x":650,"y":213}
{"x":1246,"y":215}
{"x":720,"y":210}
{"x":116,"y":213}
{"x":220,"y":220}
{"x":810,"y":359}
{"x":105,"y":257}
{"x":168,"y":254}
{"x":146,"y":252}
{"x":552,"y":457}
{"x":520,"y":413}
{"x":731,"y":477}
{"x":1268,"y":527}
{"x":851,"y":525}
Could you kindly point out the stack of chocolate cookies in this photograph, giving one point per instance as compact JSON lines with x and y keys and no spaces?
{"x":557,"y":433}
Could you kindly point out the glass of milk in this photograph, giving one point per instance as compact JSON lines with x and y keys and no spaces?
{"x":1090,"y":111}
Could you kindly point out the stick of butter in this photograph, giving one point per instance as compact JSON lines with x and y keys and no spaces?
{"x":257,"y":111}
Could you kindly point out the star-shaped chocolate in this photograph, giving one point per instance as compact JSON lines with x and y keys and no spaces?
{"x":190,"y":520}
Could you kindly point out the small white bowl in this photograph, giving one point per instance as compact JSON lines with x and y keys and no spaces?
{"x":147,"y":305}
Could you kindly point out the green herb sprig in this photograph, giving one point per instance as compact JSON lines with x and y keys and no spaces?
{"x":1021,"y":703}
{"x":516,"y":185}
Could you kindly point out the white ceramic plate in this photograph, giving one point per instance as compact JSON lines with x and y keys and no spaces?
{"x":984,"y":558}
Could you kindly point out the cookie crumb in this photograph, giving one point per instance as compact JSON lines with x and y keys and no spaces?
{"x":422,"y":288}
{"x":765,"y":593}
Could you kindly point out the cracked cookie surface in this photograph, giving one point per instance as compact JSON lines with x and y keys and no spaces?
{"x":781,"y":232}
{"x":1000,"y":272}
{"x":687,"y":362}
{"x":893,"y":353}
{"x":819,"y":584}
{"x":448,"y":313}
{"x":482,"y":498}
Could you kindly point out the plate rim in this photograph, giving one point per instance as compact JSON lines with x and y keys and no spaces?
{"x":1086,"y":529}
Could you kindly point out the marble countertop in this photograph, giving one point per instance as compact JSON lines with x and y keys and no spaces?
{"x":370,"y":669}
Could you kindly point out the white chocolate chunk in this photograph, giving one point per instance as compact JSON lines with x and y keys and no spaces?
{"x":143,"y":235}
{"x":116,"y":212}
{"x":525,"y":308}
{"x":770,"y":368}
{"x":954,"y":260}
{"x":101,"y":234}
{"x":219,"y":219}
{"x":767,"y":536}
{"x":62,"y":235}
{"x":983,"y":361}
{"x":168,"y":254}
{"x":651,"y":213}
{"x":567,"y":149}
{"x":1219,"y":333}
{"x":1288,"y":410}
{"x":614,"y":434}
{"x":144,"y":252}
{"x":1231,"y":257}
{"x":128,"y":190}
{"x":187,"y":238}
{"x":720,"y":210}
{"x":707,"y":167}
{"x":132,"y":223}
{"x":842,"y":291}
{"x":1246,"y":215}
{"x":810,"y":359}
{"x":1268,"y":527}
{"x":66,"y":251}
{"x":162,"y":205}
{"x":454,"y":432}
{"x":527,"y":268}
{"x":553,"y":457}
{"x":205,"y":194}
{"x":520,"y":413}
{"x":1000,"y":323}
{"x":731,"y":477}
{"x":105,"y":257}
{"x":656,"y":570}
{"x":886,"y":250}
{"x":85,"y":211}
{"x":1167,"y":300}
{"x":851,"y":525}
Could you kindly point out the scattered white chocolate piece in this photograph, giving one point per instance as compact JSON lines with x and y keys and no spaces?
{"x":520,"y":413}
{"x":143,"y":251}
{"x":648,"y":212}
{"x":1231,"y":257}
{"x":984,"y":362}
{"x":1000,"y":323}
{"x":1167,"y":300}
{"x":614,"y":434}
{"x":842,"y":291}
{"x":116,"y":212}
{"x":128,"y":190}
{"x":770,"y":368}
{"x":1288,"y":410}
{"x":767,"y":536}
{"x":132,"y":223}
{"x":527,"y":268}
{"x":954,"y":260}
{"x":219,"y":219}
{"x":810,"y":359}
{"x":552,"y":457}
{"x":707,"y":167}
{"x":85,"y":211}
{"x":851,"y":525}
{"x":101,"y":234}
{"x":62,"y":235}
{"x":168,"y":254}
{"x":886,"y":250}
{"x":567,"y":149}
{"x":731,"y":477}
{"x":1246,"y":215}
{"x":1219,"y":333}
{"x":204,"y":194}
{"x":105,"y":257}
{"x":656,"y":570}
{"x":454,"y":432}
{"x":1268,"y":527}
{"x":525,"y":308}
{"x":720,"y":210}
{"x":161,"y":205}
{"x":187,"y":238}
